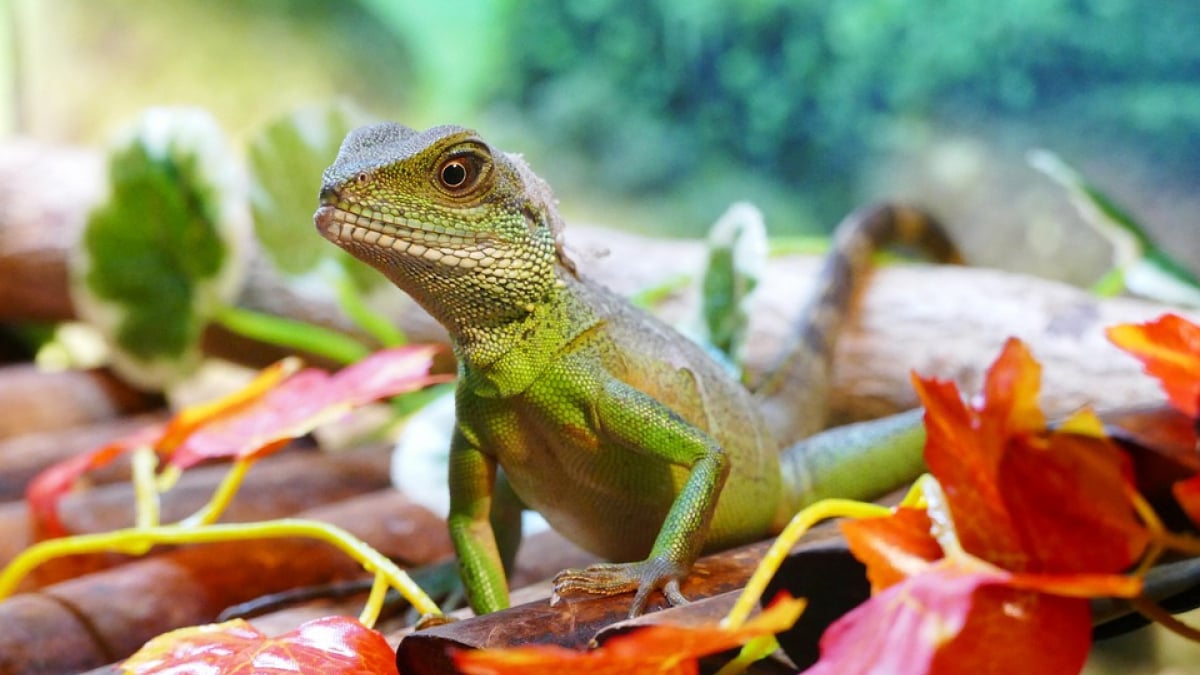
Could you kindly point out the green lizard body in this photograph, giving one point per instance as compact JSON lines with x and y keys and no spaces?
{"x":626,"y":436}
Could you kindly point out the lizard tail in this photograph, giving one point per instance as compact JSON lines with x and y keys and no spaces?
{"x":794,"y":396}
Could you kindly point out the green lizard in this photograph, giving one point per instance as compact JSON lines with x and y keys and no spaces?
{"x":622,"y":433}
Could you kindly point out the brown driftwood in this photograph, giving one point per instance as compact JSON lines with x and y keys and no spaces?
{"x":541,"y":556}
{"x":99,"y":618}
{"x":32,"y":400}
{"x":276,"y":487}
{"x":23,"y":456}
{"x":940,"y":321}
{"x":575,"y":621}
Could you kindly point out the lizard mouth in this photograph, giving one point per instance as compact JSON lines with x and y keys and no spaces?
{"x":349,"y":229}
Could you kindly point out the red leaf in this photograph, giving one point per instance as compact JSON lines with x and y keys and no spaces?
{"x":188,"y":420}
{"x":1187,"y":493}
{"x":956,"y":620}
{"x":893,"y":548}
{"x":1021,"y":497}
{"x":1069,"y":498}
{"x":44,"y":491}
{"x":659,"y":649}
{"x":1169,"y":348}
{"x":963,"y":451}
{"x":330,"y":645}
{"x":253,"y":421}
{"x":305,"y":401}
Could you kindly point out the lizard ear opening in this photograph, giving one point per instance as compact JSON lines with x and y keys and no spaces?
{"x":560,"y":248}
{"x":539,"y":215}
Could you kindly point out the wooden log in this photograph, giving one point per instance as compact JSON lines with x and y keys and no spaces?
{"x":40,"y":222}
{"x":32,"y":400}
{"x":574,"y":622}
{"x":23,"y":456}
{"x":276,"y":487}
{"x":103,"y":617}
{"x":541,"y":557}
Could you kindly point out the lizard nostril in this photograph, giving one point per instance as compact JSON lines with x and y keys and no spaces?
{"x":328,"y":195}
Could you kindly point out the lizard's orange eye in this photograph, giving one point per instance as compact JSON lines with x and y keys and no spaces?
{"x":462,"y":172}
{"x":455,"y":173}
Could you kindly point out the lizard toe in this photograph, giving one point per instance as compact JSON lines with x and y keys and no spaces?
{"x":607,"y":579}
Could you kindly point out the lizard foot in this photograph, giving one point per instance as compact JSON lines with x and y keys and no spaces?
{"x":606,"y":579}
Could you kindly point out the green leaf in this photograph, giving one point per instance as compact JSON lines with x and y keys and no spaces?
{"x":165,"y":249}
{"x":1138,"y":262}
{"x":737,"y":254}
{"x":292,"y":334}
{"x":287,"y":158}
{"x":650,"y":297}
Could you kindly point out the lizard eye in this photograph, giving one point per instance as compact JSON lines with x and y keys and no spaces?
{"x":461,"y":173}
{"x":455,"y":173}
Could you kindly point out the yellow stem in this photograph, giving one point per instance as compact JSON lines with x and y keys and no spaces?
{"x":752,"y":652}
{"x":800,"y":523}
{"x":136,"y":541}
{"x":145,"y":491}
{"x":1160,"y":537}
{"x":1151,"y":610}
{"x":915,"y":497}
{"x":370,"y":611}
{"x":1182,"y":543}
{"x":225,"y":492}
{"x":169,"y":476}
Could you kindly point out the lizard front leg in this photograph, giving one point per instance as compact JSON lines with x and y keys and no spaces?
{"x":472,"y":484}
{"x":635,"y":422}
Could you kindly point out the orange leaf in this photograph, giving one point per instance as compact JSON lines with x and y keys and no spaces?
{"x":251,"y":422}
{"x":963,"y":450}
{"x":892,"y":548}
{"x":1169,"y":348}
{"x":951,"y":619}
{"x":46,"y":488}
{"x":1079,"y":585}
{"x":1068,"y":496}
{"x":331,"y":645}
{"x":1021,"y":497}
{"x":1187,"y":493}
{"x":305,"y":401}
{"x":657,"y":650}
{"x":192,"y":418}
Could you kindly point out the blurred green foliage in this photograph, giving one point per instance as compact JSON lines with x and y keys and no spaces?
{"x":658,"y":115}
{"x":654,"y":94}
{"x":287,"y":157}
{"x":164,"y":249}
{"x":156,"y":239}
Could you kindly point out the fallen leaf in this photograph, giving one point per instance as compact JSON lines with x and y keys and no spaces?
{"x":953,"y":619}
{"x":303,"y":402}
{"x":1024,"y":498}
{"x":659,"y":650}
{"x":892,"y":548}
{"x":1187,"y":493}
{"x":331,"y":645}
{"x":1169,"y":349}
{"x":46,"y":488}
{"x":276,"y":407}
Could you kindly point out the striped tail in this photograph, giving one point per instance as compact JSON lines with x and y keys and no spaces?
{"x":794,"y":396}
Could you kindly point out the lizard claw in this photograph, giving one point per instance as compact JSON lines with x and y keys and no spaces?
{"x":606,"y":579}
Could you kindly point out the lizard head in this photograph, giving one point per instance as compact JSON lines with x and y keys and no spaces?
{"x":470,"y":232}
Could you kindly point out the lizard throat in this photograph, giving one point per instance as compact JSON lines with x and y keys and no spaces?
{"x":402,"y":236}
